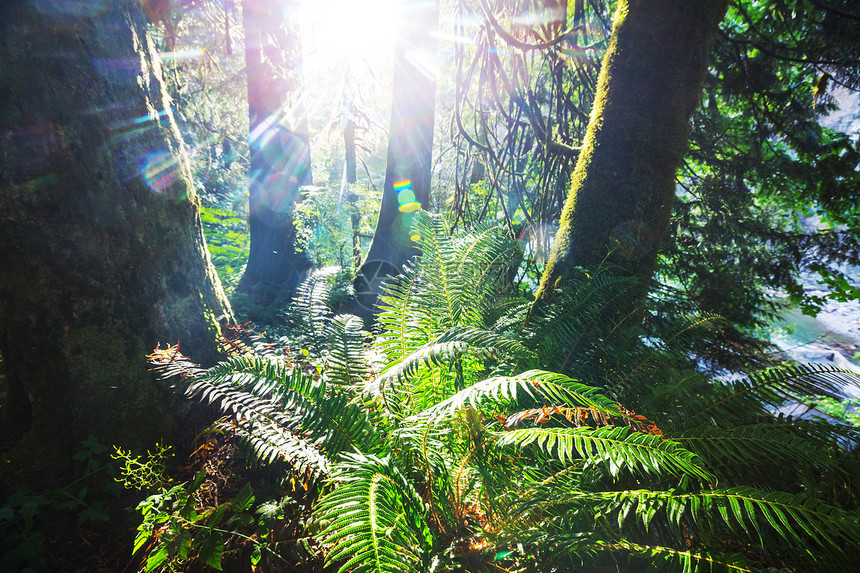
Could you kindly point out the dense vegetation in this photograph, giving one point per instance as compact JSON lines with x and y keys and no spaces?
{"x":530,"y":335}
{"x":456,"y":449}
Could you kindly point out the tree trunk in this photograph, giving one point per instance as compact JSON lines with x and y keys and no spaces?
{"x":101,"y":244}
{"x":410,"y":150}
{"x":280,"y":155}
{"x":351,"y":198}
{"x":621,"y":195}
{"x":349,"y":151}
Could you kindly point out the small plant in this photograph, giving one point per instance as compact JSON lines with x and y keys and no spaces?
{"x":143,"y":473}
{"x":174,"y":532}
{"x":209,"y":520}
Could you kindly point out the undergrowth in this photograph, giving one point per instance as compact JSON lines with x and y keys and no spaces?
{"x":467,"y":433}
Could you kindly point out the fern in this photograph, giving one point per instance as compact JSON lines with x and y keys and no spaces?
{"x":448,"y":346}
{"x":751,"y":453}
{"x":481,"y":445}
{"x":563,"y":334}
{"x":794,"y":519}
{"x":452,"y":286}
{"x":345,"y":362}
{"x":671,"y":559}
{"x":375,"y":521}
{"x":511,"y":389}
{"x":613,"y":446}
{"x":260,"y":387}
{"x":270,"y":443}
{"x":775,"y":386}
{"x":402,"y":330}
{"x":309,"y":312}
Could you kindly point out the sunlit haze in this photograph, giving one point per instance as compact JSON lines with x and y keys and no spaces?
{"x":348,"y":32}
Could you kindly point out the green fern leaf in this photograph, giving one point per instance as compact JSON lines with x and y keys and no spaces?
{"x":345,"y":363}
{"x":375,"y":519}
{"x":276,"y":399}
{"x":748,"y":453}
{"x":775,"y":386}
{"x":615,"y":447}
{"x":552,"y":387}
{"x":309,"y":311}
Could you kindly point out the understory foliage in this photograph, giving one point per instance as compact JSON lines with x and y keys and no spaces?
{"x":467,"y":435}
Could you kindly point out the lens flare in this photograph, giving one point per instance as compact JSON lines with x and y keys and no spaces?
{"x":424,"y":62}
{"x":404,"y":228}
{"x":406,"y":200}
{"x":634,"y":239}
{"x":160,"y":170}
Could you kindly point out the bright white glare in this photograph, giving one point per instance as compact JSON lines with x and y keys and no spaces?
{"x":350,"y":32}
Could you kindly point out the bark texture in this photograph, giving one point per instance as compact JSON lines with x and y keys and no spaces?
{"x":102,"y":249}
{"x":410,"y":150}
{"x":622,"y":190}
{"x":280,"y":155}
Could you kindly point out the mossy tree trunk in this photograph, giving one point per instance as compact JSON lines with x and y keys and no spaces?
{"x":280,"y":155}
{"x":410,"y":149}
{"x":102,"y":249}
{"x":622,"y":190}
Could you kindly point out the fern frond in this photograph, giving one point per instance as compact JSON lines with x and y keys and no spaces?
{"x":451,"y":344}
{"x":563,"y":331}
{"x":309,"y":310}
{"x":438,"y":271}
{"x":260,"y":422}
{"x":345,"y":362}
{"x":271,"y":443}
{"x":375,"y":519}
{"x":795,"y":519}
{"x":484,"y":258}
{"x":671,"y":559}
{"x":577,"y":548}
{"x":579,"y":416}
{"x":613,"y":446}
{"x":775,"y":386}
{"x":169,"y":362}
{"x":752,"y":450}
{"x":295,"y":401}
{"x":263,"y":425}
{"x":402,"y":321}
{"x":680,"y":334}
{"x":460,"y":273}
{"x":552,"y":387}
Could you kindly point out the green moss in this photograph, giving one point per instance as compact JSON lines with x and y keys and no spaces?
{"x":622,"y":189}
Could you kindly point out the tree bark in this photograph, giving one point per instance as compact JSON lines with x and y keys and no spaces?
{"x":410,"y":150}
{"x":280,"y":155}
{"x":102,"y":248}
{"x":620,"y":200}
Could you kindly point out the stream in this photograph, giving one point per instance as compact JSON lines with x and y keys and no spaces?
{"x":832,"y":337}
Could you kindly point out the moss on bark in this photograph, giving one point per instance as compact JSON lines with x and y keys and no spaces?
{"x":100,"y":236}
{"x":622,"y":189}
